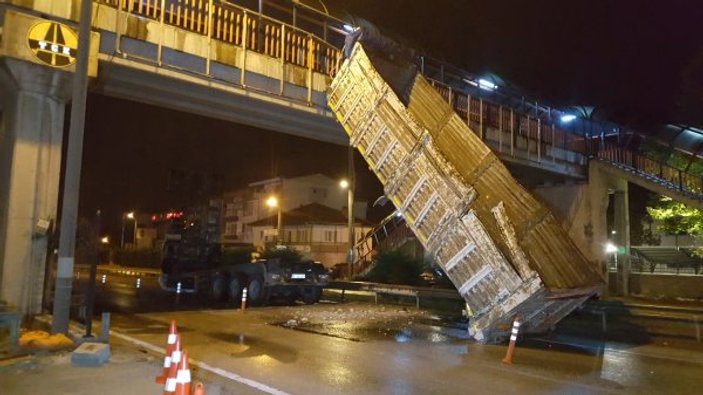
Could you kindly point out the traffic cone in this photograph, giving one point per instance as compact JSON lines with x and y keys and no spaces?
{"x":508,"y":359}
{"x":199,"y":390}
{"x":176,"y":356}
{"x":170,"y":344}
{"x":183,"y":376}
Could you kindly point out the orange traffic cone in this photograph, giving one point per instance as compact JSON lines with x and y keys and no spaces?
{"x":199,"y":390}
{"x":176,"y":355}
{"x":170,"y":344}
{"x":183,"y":376}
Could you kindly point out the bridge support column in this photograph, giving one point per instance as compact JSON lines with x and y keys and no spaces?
{"x":32,"y":107}
{"x":621,"y":238}
{"x":583,"y":209}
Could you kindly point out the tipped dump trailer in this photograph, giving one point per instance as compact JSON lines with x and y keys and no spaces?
{"x":504,"y":251}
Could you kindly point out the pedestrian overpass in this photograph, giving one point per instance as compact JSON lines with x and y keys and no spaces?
{"x":268,"y":67}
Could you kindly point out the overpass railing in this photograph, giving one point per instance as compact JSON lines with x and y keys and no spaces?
{"x":645,"y":165}
{"x":537,"y":125}
{"x":241,"y":27}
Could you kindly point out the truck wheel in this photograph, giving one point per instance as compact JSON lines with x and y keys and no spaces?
{"x":256,"y":292}
{"x":233,"y":290}
{"x":218,"y":288}
{"x":309,"y":295}
{"x":318,"y":294}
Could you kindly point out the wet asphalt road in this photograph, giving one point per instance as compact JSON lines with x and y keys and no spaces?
{"x":357,"y":347}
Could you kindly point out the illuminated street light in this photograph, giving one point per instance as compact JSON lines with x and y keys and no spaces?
{"x":611,"y":248}
{"x":566,"y":118}
{"x":345,"y":184}
{"x":130,"y":215}
{"x":105,"y":240}
{"x":272,"y":202}
{"x":487,"y":85}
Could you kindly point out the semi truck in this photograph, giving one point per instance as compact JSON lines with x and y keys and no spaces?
{"x":193,"y":263}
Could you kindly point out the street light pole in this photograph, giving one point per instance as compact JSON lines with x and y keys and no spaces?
{"x":350,"y":210}
{"x":72,"y":176}
{"x":280,"y":226}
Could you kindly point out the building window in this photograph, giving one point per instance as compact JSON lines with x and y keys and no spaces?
{"x":231,"y":210}
{"x":249,"y":208}
{"x":330,"y":236}
{"x":231,"y":228}
{"x":302,"y":235}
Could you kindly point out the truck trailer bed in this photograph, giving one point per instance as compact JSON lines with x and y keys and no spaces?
{"x":504,"y":251}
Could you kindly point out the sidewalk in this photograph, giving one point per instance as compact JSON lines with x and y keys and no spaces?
{"x":128,"y":372}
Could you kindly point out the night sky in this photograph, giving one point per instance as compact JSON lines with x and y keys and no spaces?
{"x":637,"y":62}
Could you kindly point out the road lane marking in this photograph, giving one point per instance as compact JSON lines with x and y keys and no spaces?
{"x":204,"y":366}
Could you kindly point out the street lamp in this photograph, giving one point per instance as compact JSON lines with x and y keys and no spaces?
{"x":274,"y":203}
{"x":105,"y":240}
{"x":610,"y":248}
{"x":129,"y":215}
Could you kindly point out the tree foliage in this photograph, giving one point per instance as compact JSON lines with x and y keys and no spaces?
{"x":676,"y":218}
{"x":396,"y":267}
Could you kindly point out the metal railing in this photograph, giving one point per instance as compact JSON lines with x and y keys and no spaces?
{"x":544,"y":137}
{"x":518,"y":119}
{"x":382,"y":236}
{"x":641,"y":265}
{"x":241,"y":27}
{"x":644,"y":165}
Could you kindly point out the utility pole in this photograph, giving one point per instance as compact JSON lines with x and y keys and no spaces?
{"x":72,"y":178}
{"x":350,"y":209}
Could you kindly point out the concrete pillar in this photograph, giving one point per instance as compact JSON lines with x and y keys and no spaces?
{"x":583,"y":209}
{"x":621,"y":238}
{"x":32,"y":104}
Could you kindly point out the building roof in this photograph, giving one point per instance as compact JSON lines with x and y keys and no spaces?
{"x":313,"y":213}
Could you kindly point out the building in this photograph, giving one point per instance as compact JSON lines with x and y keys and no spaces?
{"x":315,"y":230}
{"x":247,"y":205}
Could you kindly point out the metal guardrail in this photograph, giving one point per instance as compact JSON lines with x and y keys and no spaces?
{"x":391,"y":289}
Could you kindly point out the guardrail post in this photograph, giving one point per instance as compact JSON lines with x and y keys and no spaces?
{"x":512,"y":132}
{"x":209,"y":38}
{"x":159,"y":49}
{"x":480,"y":123}
{"x":539,"y":140}
{"x":243,"y":65}
{"x":310,"y":66}
{"x":283,"y":60}
{"x":118,"y":34}
{"x":500,"y":129}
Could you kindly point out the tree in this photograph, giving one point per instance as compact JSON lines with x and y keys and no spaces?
{"x":676,"y":218}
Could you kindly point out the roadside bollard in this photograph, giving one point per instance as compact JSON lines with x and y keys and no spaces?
{"x":105,"y":328}
{"x":199,"y":390}
{"x":698,"y":328}
{"x":138,"y":286}
{"x":508,"y":359}
{"x":178,"y":293}
{"x":103,"y":280}
{"x":604,"y":321}
{"x":244,"y":299}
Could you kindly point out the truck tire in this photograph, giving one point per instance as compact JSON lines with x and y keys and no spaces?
{"x":256,"y":293}
{"x":218,"y":288}
{"x":234,"y":290}
{"x":309,"y":295}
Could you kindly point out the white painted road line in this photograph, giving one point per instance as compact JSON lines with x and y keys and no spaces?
{"x":204,"y":366}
